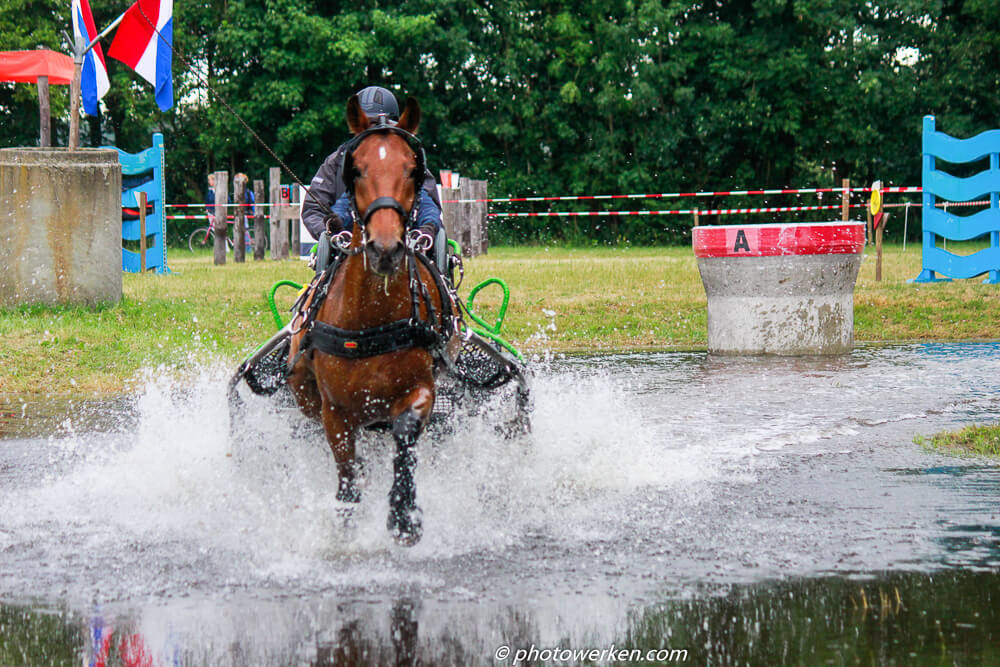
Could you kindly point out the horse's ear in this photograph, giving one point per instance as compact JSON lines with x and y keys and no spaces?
{"x":410,"y":118}
{"x":357,"y":121}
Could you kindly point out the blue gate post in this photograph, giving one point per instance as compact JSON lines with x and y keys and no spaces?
{"x":928,"y":199}
{"x":994,"y":276}
{"x":145,"y":171}
{"x":938,"y":223}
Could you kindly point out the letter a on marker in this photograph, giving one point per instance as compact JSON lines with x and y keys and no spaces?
{"x":741,"y":241}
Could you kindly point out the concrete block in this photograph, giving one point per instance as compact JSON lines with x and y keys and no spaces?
{"x":780,"y":289}
{"x":60,"y":226}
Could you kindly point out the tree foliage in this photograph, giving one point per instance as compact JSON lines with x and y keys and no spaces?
{"x":557,"y":96}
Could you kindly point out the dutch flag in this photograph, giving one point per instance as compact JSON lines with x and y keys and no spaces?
{"x":144,"y":42}
{"x":94,"y":75}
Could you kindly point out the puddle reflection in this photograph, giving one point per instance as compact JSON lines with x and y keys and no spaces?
{"x":949,"y":617}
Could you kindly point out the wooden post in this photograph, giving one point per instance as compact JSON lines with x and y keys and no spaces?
{"x":220,"y":226}
{"x":869,"y":237}
{"x":239,"y":228}
{"x":74,"y":105}
{"x":878,"y":248}
{"x":467,"y":222}
{"x":845,"y":202}
{"x":696,"y":217}
{"x":484,"y":217}
{"x":259,"y":228}
{"x":293,"y":220}
{"x":44,"y":113}
{"x":283,"y":218}
{"x":449,"y":214}
{"x":465,"y":213}
{"x":142,"y":232}
{"x":274,"y":197}
{"x":469,"y":213}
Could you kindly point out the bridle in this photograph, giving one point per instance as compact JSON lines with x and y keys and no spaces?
{"x":409,"y":218}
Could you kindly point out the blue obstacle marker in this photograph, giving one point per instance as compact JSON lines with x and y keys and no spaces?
{"x":941,"y":223}
{"x":143,"y":172}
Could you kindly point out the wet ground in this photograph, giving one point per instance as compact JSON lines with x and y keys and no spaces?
{"x":746,"y":511}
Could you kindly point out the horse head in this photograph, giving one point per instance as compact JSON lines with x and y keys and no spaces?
{"x":386,"y":169}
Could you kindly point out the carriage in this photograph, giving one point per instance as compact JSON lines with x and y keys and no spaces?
{"x":486,"y":365}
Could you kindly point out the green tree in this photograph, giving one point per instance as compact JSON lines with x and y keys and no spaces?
{"x":557,"y":96}
{"x":27,"y":25}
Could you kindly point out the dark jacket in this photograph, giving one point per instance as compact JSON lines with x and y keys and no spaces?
{"x":328,"y":186}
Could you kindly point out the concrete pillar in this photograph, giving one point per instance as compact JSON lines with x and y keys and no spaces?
{"x":60,"y":226}
{"x":780,"y":289}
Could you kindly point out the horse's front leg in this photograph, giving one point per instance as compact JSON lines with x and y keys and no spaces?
{"x":340,"y":435}
{"x":405,"y":518}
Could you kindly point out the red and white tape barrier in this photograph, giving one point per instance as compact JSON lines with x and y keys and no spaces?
{"x":674,"y":195}
{"x":682,"y":211}
{"x":225,"y":205}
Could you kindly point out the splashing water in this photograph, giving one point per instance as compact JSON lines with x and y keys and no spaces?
{"x":642,"y":472}
{"x":168,"y":502}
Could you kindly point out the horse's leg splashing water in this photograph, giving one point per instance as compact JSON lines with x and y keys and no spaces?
{"x":405,"y":517}
{"x":340,"y":435}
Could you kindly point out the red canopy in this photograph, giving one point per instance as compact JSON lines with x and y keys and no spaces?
{"x":27,"y":66}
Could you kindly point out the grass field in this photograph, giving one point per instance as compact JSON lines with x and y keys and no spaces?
{"x":976,"y":440}
{"x":563,"y":299}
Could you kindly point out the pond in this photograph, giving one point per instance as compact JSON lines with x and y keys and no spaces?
{"x":727,"y":510}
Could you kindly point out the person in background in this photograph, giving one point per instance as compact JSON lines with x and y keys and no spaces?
{"x":248,"y":205}
{"x":249,"y":201}
{"x":210,"y":201}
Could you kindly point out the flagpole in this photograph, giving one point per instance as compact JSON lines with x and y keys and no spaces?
{"x":114,"y":24}
{"x":79,"y":51}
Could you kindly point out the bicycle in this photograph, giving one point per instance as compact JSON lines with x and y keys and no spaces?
{"x":205,"y":236}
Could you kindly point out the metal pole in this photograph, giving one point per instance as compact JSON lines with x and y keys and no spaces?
{"x":114,"y":24}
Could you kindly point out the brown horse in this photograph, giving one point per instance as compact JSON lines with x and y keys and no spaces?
{"x":370,"y":289}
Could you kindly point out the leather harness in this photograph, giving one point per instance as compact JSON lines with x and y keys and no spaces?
{"x":432,"y":333}
{"x":414,"y":331}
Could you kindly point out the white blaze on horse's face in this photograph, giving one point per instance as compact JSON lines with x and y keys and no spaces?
{"x":381,"y":152}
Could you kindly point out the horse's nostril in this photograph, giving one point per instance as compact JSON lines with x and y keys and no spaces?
{"x":385,"y":256}
{"x":377,"y":248}
{"x":390,"y":249}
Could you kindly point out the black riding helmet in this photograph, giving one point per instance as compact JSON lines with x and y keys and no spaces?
{"x":376,"y":101}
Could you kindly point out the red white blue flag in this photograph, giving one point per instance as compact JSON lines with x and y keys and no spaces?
{"x":145,"y":41}
{"x":94,"y":74}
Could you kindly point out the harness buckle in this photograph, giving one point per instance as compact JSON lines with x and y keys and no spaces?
{"x":343,"y":239}
{"x":300,"y":316}
{"x":419,"y":241}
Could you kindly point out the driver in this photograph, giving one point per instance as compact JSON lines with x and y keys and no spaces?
{"x":328,"y":183}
